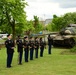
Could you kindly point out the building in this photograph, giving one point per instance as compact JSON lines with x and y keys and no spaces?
{"x":46,"y":22}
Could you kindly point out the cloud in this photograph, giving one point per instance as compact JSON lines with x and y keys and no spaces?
{"x":62,"y":3}
{"x":46,"y":8}
{"x":65,"y":3}
{"x":68,"y":5}
{"x":40,"y":9}
{"x":30,"y":0}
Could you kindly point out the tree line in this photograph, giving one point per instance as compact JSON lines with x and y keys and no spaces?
{"x":60,"y":22}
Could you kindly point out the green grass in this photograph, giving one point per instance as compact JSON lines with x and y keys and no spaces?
{"x":2,"y":40}
{"x":55,"y":64}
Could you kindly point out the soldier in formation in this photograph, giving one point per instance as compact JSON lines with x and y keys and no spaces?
{"x":29,"y":45}
{"x":50,"y":42}
{"x":9,"y":43}
{"x":26,"y":48}
{"x":19,"y":50}
{"x":36,"y":47}
{"x":42,"y":45}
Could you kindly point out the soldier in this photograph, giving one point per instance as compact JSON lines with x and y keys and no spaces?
{"x":9,"y":43}
{"x":36,"y":47}
{"x":19,"y":50}
{"x":31,"y":45}
{"x":42,"y":44}
{"x":50,"y":41}
{"x":26,"y":48}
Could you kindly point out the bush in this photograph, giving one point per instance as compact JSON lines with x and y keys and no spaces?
{"x":4,"y":39}
{"x":73,"y":49}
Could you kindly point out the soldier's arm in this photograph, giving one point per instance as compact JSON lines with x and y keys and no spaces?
{"x":24,"y":46}
{"x":29,"y":44}
{"x":7,"y":45}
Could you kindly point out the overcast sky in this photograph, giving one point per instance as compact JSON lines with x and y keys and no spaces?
{"x":45,"y":9}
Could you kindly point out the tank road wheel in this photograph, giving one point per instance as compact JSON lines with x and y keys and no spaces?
{"x":71,"y":42}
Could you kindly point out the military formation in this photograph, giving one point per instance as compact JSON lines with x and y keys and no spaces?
{"x":29,"y":46}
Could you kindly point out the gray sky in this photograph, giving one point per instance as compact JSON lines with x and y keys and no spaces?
{"x":46,"y":8}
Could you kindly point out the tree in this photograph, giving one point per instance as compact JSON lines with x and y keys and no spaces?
{"x":38,"y":27}
{"x":55,"y":16}
{"x":29,"y":27}
{"x":19,"y":29}
{"x":12,"y":14}
{"x":33,"y":26}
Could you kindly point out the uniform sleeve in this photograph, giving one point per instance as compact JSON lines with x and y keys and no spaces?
{"x":7,"y":45}
{"x":24,"y":43}
{"x":28,"y":43}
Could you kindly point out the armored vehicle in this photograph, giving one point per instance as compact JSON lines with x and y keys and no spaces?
{"x":66,"y":37}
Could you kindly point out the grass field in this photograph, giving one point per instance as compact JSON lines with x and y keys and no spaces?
{"x":2,"y":41}
{"x":55,"y":64}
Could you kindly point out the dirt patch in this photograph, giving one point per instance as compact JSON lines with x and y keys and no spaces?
{"x":1,"y":46}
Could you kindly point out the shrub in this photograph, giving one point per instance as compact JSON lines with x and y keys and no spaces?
{"x":73,"y":49}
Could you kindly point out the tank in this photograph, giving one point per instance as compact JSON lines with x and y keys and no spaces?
{"x":66,"y":37}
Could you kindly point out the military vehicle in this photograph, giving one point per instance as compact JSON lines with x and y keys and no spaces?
{"x":66,"y":37}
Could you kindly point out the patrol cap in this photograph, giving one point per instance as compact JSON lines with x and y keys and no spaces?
{"x":36,"y":37}
{"x":25,"y":37}
{"x":18,"y":36}
{"x":8,"y":35}
{"x":30,"y":37}
{"x":41,"y":38}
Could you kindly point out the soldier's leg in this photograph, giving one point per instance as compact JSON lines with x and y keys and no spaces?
{"x":36,"y":53}
{"x":18,"y":57}
{"x":11,"y":57}
{"x":40,"y":52}
{"x":20,"y":60}
{"x":31,"y":54}
{"x":8,"y":60}
{"x":49,"y":49}
{"x":26,"y":55}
